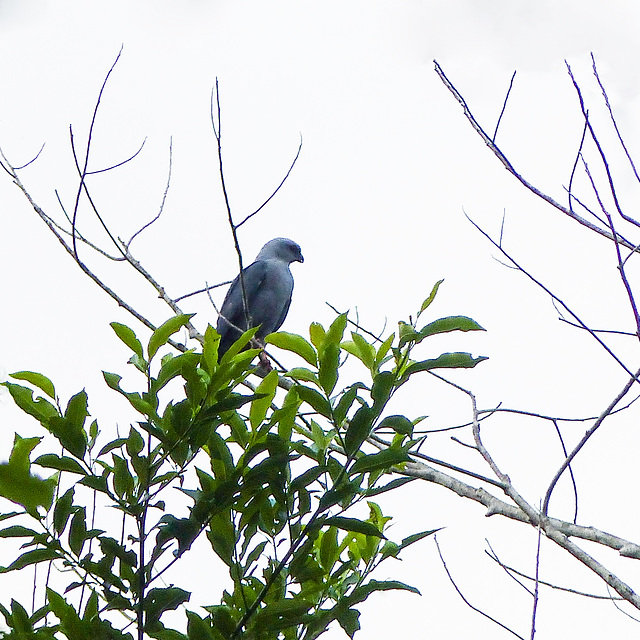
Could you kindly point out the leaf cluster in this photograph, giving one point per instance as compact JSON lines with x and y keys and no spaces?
{"x":272,"y":480}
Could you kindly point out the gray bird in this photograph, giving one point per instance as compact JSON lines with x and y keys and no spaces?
{"x":268,"y":285}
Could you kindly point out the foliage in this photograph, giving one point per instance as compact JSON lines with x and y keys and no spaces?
{"x":273,"y":479}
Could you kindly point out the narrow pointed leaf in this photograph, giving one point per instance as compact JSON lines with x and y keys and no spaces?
{"x":355,"y":525}
{"x":382,"y":460}
{"x":162,"y":334}
{"x":431,"y":297}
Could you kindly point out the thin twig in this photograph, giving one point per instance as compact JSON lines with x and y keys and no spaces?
{"x":596,"y":425}
{"x":164,"y":199}
{"x":264,"y":204}
{"x":510,"y":168}
{"x":504,"y":107}
{"x":455,"y":586}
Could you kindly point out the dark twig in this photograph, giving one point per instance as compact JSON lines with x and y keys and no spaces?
{"x":217,"y":130}
{"x":504,"y":106}
{"x":514,"y":572}
{"x":551,"y":294}
{"x":605,"y":163}
{"x":573,"y":479}
{"x":621,"y":262}
{"x":119,"y":164}
{"x":509,"y":167}
{"x":455,"y":586}
{"x":536,"y":590}
{"x":613,"y":120}
{"x":83,"y":171}
{"x":377,"y":338}
{"x":164,"y":199}
{"x":264,"y":204}
{"x":596,"y":425}
{"x":206,"y":289}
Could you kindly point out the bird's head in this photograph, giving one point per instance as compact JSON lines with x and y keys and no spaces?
{"x":281,"y":249}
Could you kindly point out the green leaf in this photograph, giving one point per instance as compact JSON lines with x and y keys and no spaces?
{"x":455,"y":360}
{"x":221,"y":533}
{"x":315,"y":399}
{"x":304,"y":374}
{"x":122,"y":478}
{"x":239,"y":345}
{"x":417,"y":536}
{"x":31,"y":557}
{"x":336,"y":331}
{"x":159,"y":600}
{"x":362,"y":592}
{"x":365,"y":351}
{"x":230,"y":403}
{"x":210,"y":348}
{"x":37,"y":380}
{"x":162,"y":334}
{"x":383,"y":349}
{"x":307,"y":477}
{"x":451,"y":323}
{"x":17,"y":531}
{"x":394,"y":484}
{"x":400,"y":424}
{"x":406,"y":333}
{"x":221,"y":459}
{"x":348,"y":619}
{"x":358,"y":430}
{"x":78,"y":531}
{"x":295,"y":343}
{"x":345,"y":402}
{"x":384,"y":459}
{"x":431,"y":297}
{"x":355,"y":525}
{"x":128,"y":336}
{"x":135,"y":400}
{"x":317,"y":334}
{"x":199,"y":628}
{"x":266,"y":388}
{"x":20,"y":620}
{"x":62,"y":463}
{"x":62,"y":511}
{"x":328,"y":370}
{"x":135,"y":442}
{"x":329,"y":548}
{"x":41,"y":409}
{"x":18,"y":485}
{"x":383,"y":384}
{"x":174,"y":366}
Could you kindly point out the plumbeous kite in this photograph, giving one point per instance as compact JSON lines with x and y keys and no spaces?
{"x":268,"y":286}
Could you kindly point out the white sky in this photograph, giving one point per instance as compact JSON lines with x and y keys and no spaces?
{"x":375,"y":201}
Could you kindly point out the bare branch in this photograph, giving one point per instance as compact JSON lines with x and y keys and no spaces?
{"x":514,"y":572}
{"x":553,"y":296}
{"x":264,"y":204}
{"x":206,"y":289}
{"x":119,"y":164}
{"x":218,"y":134}
{"x":164,"y":198}
{"x":596,"y":425}
{"x":509,"y":167}
{"x":613,"y":120}
{"x":455,"y":586}
{"x":504,"y":107}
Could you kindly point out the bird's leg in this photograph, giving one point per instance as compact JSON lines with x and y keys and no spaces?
{"x":265,"y":363}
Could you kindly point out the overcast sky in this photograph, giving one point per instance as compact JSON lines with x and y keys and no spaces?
{"x":376,"y":202}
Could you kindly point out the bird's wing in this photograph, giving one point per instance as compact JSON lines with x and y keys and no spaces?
{"x":232,"y":311}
